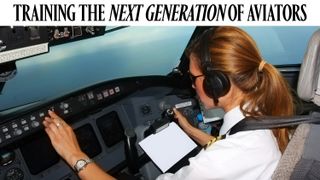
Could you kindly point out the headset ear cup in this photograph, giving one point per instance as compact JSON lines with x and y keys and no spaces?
{"x":207,"y":87}
{"x":216,"y":85}
{"x":223,"y":84}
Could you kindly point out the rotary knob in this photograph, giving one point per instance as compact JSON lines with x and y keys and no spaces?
{"x":145,"y":109}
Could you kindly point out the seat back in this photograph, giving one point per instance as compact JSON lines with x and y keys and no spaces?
{"x":301,"y":159}
{"x":308,"y":167}
{"x":308,"y":83}
{"x":292,"y":154}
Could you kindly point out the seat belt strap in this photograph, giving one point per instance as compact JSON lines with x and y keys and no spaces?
{"x":270,"y":122}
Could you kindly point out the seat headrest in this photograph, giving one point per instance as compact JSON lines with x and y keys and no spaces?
{"x":309,"y":81}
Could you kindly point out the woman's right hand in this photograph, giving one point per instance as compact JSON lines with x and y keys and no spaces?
{"x":199,"y":136}
{"x":182,"y":120}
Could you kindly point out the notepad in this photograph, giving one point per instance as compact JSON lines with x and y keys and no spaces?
{"x":168,"y":146}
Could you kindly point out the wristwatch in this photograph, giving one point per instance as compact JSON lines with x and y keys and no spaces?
{"x":81,"y":164}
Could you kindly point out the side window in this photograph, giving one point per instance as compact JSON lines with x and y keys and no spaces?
{"x":282,"y":45}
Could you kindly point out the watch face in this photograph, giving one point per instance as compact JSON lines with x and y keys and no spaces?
{"x":81,"y":163}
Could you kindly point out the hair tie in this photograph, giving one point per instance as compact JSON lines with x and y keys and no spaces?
{"x":261,"y":65}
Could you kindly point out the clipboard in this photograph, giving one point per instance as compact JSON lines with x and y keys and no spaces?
{"x":168,"y":146}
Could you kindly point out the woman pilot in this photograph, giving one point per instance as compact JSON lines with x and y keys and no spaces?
{"x":227,"y":71}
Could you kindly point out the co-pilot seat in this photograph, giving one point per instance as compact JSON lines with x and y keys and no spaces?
{"x":301,"y":159}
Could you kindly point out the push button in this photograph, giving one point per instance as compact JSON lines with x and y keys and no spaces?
{"x":35,"y":124}
{"x":17,"y":132}
{"x":32,"y":118}
{"x":5,"y":129}
{"x":7,"y":136}
{"x":23,"y":122}
{"x":26,"y":128}
{"x":14,"y":125}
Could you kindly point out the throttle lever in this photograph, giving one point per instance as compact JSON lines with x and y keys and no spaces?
{"x":131,"y":152}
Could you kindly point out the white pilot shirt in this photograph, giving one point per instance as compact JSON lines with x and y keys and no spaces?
{"x":246,"y":155}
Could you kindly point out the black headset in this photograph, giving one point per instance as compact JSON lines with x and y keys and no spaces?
{"x":215,"y":84}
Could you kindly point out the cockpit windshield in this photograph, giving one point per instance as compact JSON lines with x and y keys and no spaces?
{"x":130,"y":51}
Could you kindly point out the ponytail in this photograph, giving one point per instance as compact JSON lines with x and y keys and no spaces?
{"x":272,"y":97}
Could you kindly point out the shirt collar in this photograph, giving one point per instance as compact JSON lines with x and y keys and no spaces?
{"x":230,"y":119}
